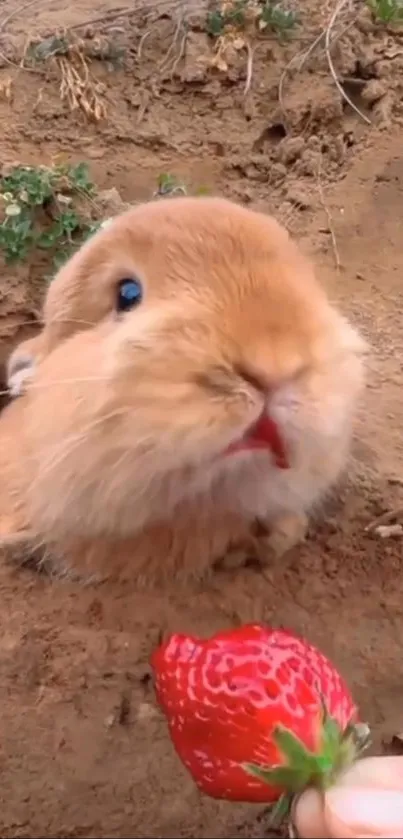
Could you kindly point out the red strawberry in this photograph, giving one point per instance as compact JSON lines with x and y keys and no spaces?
{"x":260,"y":696}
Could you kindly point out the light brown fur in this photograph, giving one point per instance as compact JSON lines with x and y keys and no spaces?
{"x":112,"y":458}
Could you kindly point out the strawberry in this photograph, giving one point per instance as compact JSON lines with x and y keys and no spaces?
{"x":256,"y":714}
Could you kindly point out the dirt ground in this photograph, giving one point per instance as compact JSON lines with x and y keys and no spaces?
{"x":84,"y":751}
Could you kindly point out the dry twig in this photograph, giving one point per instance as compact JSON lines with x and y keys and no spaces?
{"x":340,"y":6}
{"x":141,"y":44}
{"x":180,"y":30}
{"x":329,"y":217}
{"x":249,"y":68}
{"x":302,"y":57}
{"x":385,"y":519}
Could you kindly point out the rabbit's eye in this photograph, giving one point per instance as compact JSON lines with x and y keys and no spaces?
{"x":130,"y":294}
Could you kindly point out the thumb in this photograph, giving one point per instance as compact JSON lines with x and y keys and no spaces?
{"x":308,"y":816}
{"x":356,"y":806}
{"x":360,"y":811}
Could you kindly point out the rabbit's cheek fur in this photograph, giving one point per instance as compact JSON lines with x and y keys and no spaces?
{"x":109,"y":458}
{"x":182,"y":409}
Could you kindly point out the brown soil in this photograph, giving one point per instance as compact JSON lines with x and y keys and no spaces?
{"x":84,"y":750}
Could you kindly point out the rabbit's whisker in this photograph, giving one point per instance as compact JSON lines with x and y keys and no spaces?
{"x":41,"y":386}
{"x":40,"y":322}
{"x":65,"y":448}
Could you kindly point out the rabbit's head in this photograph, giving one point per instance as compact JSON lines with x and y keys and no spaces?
{"x":186,"y":342}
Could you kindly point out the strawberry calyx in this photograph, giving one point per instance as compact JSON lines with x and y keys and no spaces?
{"x":303,"y":768}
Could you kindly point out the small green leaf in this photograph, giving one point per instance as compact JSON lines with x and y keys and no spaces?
{"x":292,"y":780}
{"x":280,"y":811}
{"x":332,"y":737}
{"x":166,"y":182}
{"x":278,"y":19}
{"x":387,"y":11}
{"x":293,"y":749}
{"x":237,"y":14}
{"x":25,"y":228}
{"x":46,"y":240}
{"x":80,"y":177}
{"x":69,"y":222}
{"x":215,"y":24}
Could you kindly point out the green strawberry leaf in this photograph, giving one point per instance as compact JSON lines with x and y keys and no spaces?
{"x":293,"y":749}
{"x":280,"y":811}
{"x":279,"y":776}
{"x":302,"y":767}
{"x":332,"y":738}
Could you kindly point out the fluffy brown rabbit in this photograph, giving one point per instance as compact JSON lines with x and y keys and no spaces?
{"x":191,"y":379}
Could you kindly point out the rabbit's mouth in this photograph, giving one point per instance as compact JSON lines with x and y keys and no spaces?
{"x":264,"y":434}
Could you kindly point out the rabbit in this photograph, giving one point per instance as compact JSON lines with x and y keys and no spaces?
{"x":189,"y":400}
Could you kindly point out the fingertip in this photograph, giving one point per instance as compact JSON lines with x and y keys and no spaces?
{"x":308,"y":815}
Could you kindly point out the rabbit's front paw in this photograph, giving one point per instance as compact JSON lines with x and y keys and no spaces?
{"x":284,"y":534}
